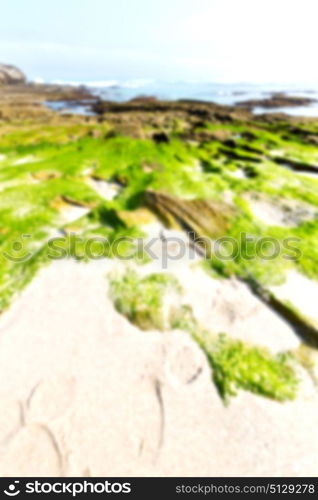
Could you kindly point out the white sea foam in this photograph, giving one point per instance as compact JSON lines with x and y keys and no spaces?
{"x":137,"y":84}
{"x":38,"y":79}
{"x":103,"y":84}
{"x":126,"y":84}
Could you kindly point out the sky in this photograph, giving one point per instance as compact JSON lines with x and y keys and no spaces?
{"x":256,"y":41}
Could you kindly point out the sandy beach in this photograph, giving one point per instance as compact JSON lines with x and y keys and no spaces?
{"x":86,"y":393}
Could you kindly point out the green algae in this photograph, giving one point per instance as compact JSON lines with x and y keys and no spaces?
{"x":237,"y":365}
{"x":46,"y":169}
{"x":42,"y":164}
{"x":141,"y":300}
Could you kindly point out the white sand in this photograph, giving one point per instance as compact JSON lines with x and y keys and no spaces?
{"x":107,"y":190}
{"x":71,"y":213}
{"x":168,"y":249}
{"x":238,"y":173}
{"x":301,"y":292}
{"x":26,"y":159}
{"x":228,"y":306}
{"x":311,"y":175}
{"x":83,"y":392}
{"x":286,"y":213}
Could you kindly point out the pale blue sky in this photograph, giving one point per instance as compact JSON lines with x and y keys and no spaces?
{"x":208,"y":40}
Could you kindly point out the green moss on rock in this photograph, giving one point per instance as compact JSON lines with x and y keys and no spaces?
{"x":237,"y":365}
{"x":142,"y":299}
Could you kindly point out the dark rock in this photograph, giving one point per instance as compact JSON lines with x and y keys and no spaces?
{"x":144,"y":99}
{"x":279,"y":100}
{"x":160,"y":137}
{"x":296,"y":165}
{"x":201,"y":218}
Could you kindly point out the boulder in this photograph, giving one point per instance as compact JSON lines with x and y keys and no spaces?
{"x":10,"y":75}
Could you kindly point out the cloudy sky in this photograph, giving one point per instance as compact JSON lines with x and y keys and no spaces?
{"x":207,"y":40}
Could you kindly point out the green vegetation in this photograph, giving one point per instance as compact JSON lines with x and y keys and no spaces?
{"x":202,"y":177}
{"x":46,"y":170}
{"x":237,"y":365}
{"x":142,"y":300}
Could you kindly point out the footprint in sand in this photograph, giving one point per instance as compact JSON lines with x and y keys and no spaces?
{"x":50,"y":398}
{"x":31,"y":447}
{"x":184,"y":360}
{"x":32,"y":452}
{"x":11,"y":418}
{"x":146,"y":420}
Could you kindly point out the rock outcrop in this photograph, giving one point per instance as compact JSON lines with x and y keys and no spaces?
{"x":276,"y":100}
{"x":202,"y":218}
{"x":11,"y":75}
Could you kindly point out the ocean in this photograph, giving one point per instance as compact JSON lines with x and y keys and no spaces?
{"x":221,"y":93}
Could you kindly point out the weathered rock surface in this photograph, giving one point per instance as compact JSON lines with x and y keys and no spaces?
{"x":11,"y":75}
{"x":277,"y":100}
{"x":202,"y":218}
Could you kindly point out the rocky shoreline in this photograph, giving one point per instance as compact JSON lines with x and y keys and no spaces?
{"x":122,"y":359}
{"x":18,"y":93}
{"x":277,"y":100}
